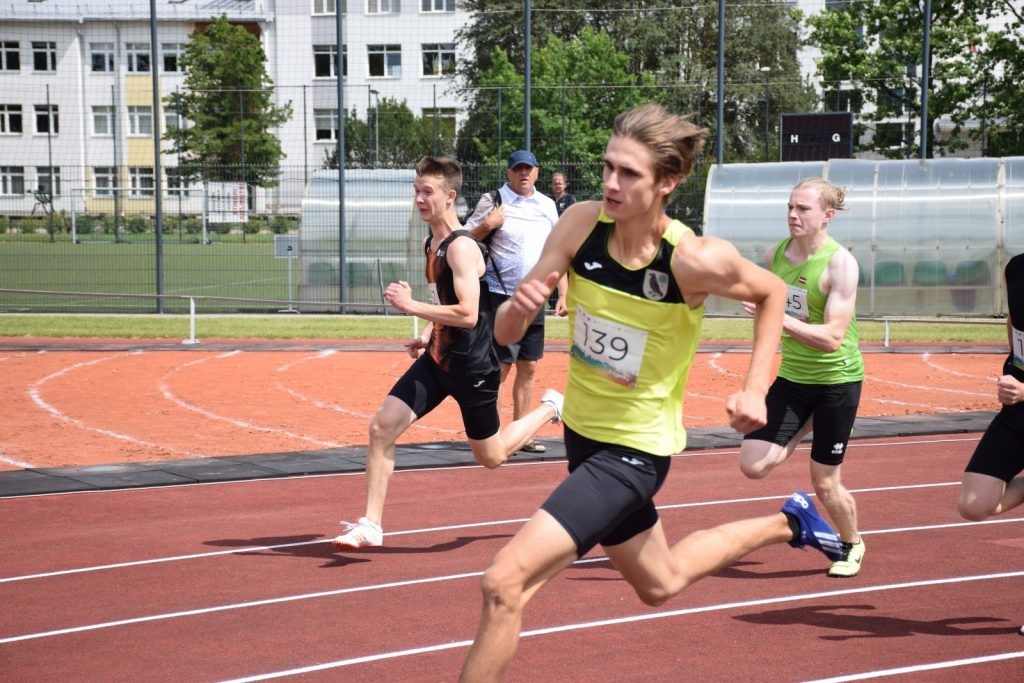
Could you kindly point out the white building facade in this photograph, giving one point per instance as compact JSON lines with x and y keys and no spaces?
{"x":77,"y":117}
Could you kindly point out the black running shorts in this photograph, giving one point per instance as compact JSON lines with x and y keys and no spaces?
{"x":791,"y":404}
{"x":1000,"y":453}
{"x":608,"y":496}
{"x":530,"y":347}
{"x":424,"y":385}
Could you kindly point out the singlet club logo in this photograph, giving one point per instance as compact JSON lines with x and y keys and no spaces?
{"x":655,"y":285}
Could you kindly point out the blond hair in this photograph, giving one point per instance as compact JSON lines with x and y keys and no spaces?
{"x":829,"y":196}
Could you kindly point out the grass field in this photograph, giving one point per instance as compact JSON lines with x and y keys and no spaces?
{"x":228,"y":269}
{"x":306,"y":326}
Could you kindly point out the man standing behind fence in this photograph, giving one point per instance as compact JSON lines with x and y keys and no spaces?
{"x":560,"y":192}
{"x":515,"y":221}
{"x":822,"y":370}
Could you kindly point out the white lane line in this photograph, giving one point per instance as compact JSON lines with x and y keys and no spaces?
{"x":168,"y":394}
{"x":934,"y":666}
{"x":334,"y":407}
{"x":467,"y":575}
{"x":713,"y":362}
{"x":501,"y":522}
{"x":15,"y":462}
{"x":927,"y":358}
{"x":34,"y":392}
{"x":904,"y":385}
{"x":298,"y":671}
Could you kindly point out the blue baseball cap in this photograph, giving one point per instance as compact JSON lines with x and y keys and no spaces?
{"x":522,"y":156}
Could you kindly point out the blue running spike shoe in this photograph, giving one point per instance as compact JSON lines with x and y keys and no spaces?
{"x":814,"y":531}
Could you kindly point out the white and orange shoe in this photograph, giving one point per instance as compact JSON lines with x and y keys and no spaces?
{"x":362,"y":534}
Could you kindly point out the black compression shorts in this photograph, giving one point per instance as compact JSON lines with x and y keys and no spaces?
{"x":424,"y":385}
{"x":1000,"y":453}
{"x":791,"y":404}
{"x":608,"y":496}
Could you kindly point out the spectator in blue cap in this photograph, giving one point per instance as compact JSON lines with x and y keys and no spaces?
{"x":515,"y":221}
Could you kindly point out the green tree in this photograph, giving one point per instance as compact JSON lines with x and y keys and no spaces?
{"x":872,"y":55}
{"x":391,"y":137}
{"x":676,"y":46}
{"x":575,"y":117}
{"x":228,"y":103}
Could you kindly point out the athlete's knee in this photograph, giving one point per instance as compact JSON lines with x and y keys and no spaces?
{"x":653,"y":596}
{"x":756,"y":461}
{"x":502,"y":587}
{"x":974,"y":509}
{"x":489,"y":456}
{"x":755,"y":470}
{"x":383,"y":429}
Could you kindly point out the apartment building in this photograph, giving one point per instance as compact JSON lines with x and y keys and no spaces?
{"x":77,"y":114}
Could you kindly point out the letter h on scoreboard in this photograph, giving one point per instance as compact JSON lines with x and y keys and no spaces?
{"x":816,"y":137}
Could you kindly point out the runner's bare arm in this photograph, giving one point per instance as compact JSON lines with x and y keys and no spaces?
{"x":467,"y":264}
{"x":704,"y":266}
{"x":839,"y":281}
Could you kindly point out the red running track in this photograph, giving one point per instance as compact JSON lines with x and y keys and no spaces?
{"x":237,"y":581}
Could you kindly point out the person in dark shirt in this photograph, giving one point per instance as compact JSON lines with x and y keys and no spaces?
{"x":992,"y":482}
{"x":559,"y":192}
{"x":454,"y":355}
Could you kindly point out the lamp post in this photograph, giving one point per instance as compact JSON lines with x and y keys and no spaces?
{"x":766,"y":70}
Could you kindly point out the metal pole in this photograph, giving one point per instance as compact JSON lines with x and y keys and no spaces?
{"x":527,"y":76}
{"x":720,"y":114}
{"x":925,"y":77}
{"x":340,"y":70}
{"x":157,"y":165}
{"x":766,"y":70}
{"x":49,"y":152}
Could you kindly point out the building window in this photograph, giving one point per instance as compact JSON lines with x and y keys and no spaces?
{"x":104,"y":180}
{"x":44,"y":56}
{"x":382,"y":6}
{"x":101,"y":56}
{"x":326,"y":121}
{"x":140,"y":121}
{"x":10,"y":56}
{"x":172,"y":55}
{"x":10,"y":119}
{"x":43,"y":181}
{"x":172,"y":119}
{"x":444,"y":120}
{"x":12,"y":180}
{"x":141,"y":181}
{"x":894,"y":134}
{"x":438,"y":59}
{"x":325,"y":6}
{"x":47,"y":119}
{"x":385,"y":61}
{"x":102,"y":120}
{"x":325,"y":60}
{"x":437,"y":6}
{"x":177,"y":183}
{"x":138,"y":57}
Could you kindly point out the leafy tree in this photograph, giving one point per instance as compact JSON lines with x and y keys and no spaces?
{"x":676,"y":46}
{"x":874,"y":49}
{"x":574,"y":117}
{"x":228,"y":102}
{"x":391,"y":137}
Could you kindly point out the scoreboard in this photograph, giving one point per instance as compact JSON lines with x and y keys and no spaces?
{"x":816,"y":137}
